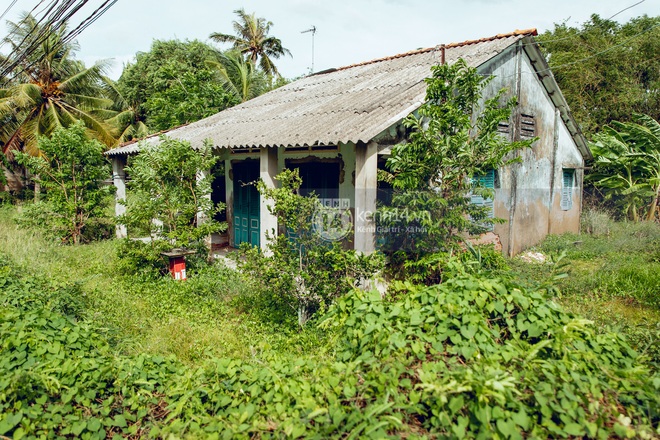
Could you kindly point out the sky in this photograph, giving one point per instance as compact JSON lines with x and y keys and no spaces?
{"x":348,"y":31}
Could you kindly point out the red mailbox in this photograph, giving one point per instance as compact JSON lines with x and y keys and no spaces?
{"x":177,"y":259}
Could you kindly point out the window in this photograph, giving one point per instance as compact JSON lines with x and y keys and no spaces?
{"x":527,"y":126}
{"x":567,"y":186}
{"x":487,"y":180}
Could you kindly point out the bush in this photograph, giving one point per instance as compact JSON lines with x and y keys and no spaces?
{"x":167,"y":199}
{"x":71,"y":169}
{"x":300,"y":269}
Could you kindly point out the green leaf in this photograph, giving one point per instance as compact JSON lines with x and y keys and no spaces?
{"x":10,"y":421}
{"x":507,"y":428}
{"x":416,"y":318}
{"x":120,"y":421}
{"x":574,"y":429}
{"x":78,"y":427}
{"x":521,"y":419}
{"x":93,"y":424}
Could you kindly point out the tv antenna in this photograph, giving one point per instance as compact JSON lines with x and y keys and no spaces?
{"x":313,"y":31}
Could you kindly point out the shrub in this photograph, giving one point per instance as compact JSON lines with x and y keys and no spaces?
{"x":72,"y":170}
{"x":453,"y":144}
{"x":300,"y":269}
{"x":169,"y":199}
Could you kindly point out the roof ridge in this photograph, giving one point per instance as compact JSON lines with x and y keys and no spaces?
{"x":517,"y":32}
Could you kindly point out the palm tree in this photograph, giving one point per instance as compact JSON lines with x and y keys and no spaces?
{"x":252,"y":39}
{"x":127,"y":123}
{"x":240,"y":78}
{"x":49,"y":89}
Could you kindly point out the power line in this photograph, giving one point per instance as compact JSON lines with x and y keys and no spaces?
{"x":607,"y":19}
{"x":8,"y":8}
{"x":56,"y":19}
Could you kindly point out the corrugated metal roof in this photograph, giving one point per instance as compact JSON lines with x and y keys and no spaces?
{"x":350,"y":104}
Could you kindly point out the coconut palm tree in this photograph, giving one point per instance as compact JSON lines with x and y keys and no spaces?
{"x":239,"y":77}
{"x":252,"y":40}
{"x":127,"y":123}
{"x":49,"y":89}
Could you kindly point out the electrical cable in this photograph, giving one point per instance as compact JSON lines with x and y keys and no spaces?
{"x":57,"y":19}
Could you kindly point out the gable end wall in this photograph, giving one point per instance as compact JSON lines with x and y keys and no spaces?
{"x":529,"y":192}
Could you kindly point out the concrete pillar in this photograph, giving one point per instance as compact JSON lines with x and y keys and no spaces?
{"x":267,"y":173}
{"x":201,"y":216}
{"x":366,"y":186}
{"x":119,"y":180}
{"x":201,"y":175}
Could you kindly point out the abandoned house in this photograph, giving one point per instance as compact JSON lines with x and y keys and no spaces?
{"x":338,"y":126}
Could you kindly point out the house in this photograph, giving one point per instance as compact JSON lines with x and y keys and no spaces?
{"x":338,"y":126}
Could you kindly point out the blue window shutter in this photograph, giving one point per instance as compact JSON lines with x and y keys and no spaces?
{"x":485,"y":181}
{"x":568,"y":183}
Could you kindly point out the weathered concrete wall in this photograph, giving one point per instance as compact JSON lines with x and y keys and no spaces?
{"x":528,"y":193}
{"x":567,"y":156}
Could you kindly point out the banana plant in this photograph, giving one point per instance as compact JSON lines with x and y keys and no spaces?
{"x":627,"y":165}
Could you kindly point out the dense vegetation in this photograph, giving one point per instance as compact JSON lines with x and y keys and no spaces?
{"x":607,"y":70}
{"x":175,"y":83}
{"x":477,"y":354}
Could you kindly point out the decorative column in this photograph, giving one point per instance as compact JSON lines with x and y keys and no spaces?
{"x":366,"y":188}
{"x":119,"y":180}
{"x":268,"y":171}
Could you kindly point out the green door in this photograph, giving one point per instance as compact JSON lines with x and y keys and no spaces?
{"x":246,"y":203}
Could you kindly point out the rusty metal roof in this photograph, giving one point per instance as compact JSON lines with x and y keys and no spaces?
{"x":350,"y":104}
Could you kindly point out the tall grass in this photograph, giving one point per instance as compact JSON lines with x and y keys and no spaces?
{"x":613,"y":275}
{"x":193,"y":320}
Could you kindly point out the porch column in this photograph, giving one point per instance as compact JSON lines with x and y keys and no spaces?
{"x":119,"y":180}
{"x":201,"y":175}
{"x":366,"y":186}
{"x":201,"y":216}
{"x":268,"y":171}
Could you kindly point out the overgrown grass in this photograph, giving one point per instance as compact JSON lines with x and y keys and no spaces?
{"x":613,"y":276}
{"x":203,"y":317}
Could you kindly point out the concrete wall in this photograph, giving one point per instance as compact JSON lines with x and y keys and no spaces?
{"x":529,"y":192}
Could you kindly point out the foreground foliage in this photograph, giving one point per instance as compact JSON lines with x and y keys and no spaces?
{"x":476,"y":356}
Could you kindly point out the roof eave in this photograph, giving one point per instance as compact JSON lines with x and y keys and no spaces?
{"x":550,"y":83}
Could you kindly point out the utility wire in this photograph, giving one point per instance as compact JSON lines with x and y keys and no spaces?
{"x":607,"y":19}
{"x":57,"y":19}
{"x":8,"y":8}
